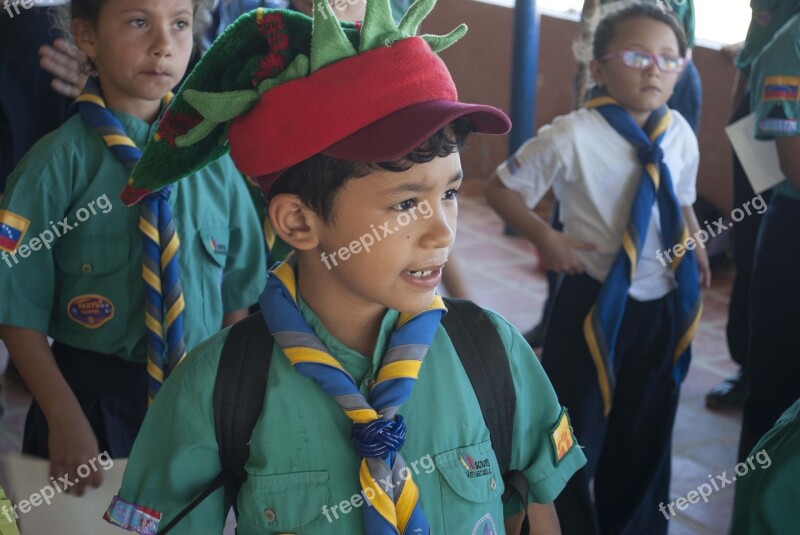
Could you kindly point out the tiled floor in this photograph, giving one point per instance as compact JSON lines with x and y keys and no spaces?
{"x":501,"y":273}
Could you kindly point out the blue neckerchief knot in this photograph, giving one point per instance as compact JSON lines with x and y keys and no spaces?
{"x":378,"y":432}
{"x":379,"y":437}
{"x":651,"y":154}
{"x":601,"y":326}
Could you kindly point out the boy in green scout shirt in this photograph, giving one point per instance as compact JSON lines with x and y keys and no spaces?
{"x":359,"y":354}
{"x":772,"y":358}
{"x":72,"y":258}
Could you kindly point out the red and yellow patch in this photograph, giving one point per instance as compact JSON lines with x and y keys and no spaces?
{"x":12,"y":230}
{"x":92,"y":311}
{"x":783,"y":88}
{"x":561,"y":437}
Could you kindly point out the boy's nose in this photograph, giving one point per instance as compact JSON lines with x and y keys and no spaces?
{"x":440,"y":233}
{"x":162,"y":44}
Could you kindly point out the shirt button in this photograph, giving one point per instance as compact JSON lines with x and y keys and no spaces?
{"x":269,"y":514}
{"x":86,"y":268}
{"x":492,"y":484}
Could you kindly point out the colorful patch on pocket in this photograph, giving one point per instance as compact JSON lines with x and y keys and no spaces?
{"x":12,"y":230}
{"x":784,"y":88}
{"x":92,"y":311}
{"x":561,"y":437}
{"x":218,"y":247}
{"x":132,"y":517}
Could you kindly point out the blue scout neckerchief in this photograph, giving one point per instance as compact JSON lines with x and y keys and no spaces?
{"x":378,"y":432}
{"x":602,"y":324}
{"x":160,"y":270}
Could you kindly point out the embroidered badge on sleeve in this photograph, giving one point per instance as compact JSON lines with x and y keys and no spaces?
{"x":12,"y":230}
{"x":132,"y":517}
{"x":781,"y":88}
{"x":561,"y":437}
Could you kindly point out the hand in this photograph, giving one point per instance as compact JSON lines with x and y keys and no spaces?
{"x":63,"y":60}
{"x":731,"y":51}
{"x":703,"y":267}
{"x":559,"y":253}
{"x":72,"y":443}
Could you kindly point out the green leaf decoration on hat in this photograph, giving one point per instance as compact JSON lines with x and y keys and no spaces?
{"x":261,"y":50}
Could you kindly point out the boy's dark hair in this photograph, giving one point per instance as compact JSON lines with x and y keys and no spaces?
{"x":317,"y":180}
{"x":606,"y":30}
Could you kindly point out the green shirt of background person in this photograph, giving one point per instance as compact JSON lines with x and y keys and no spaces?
{"x":99,"y":259}
{"x":775,"y":97}
{"x":767,"y":495}
{"x":768,"y":17}
{"x":8,"y":522}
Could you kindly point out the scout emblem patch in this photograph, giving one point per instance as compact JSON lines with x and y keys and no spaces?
{"x":781,"y":88}
{"x":92,"y":311}
{"x":485,"y":526}
{"x":12,"y":229}
{"x":561,"y":436}
{"x":475,"y":468}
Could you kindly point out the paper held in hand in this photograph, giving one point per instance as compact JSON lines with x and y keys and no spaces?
{"x":759,"y":158}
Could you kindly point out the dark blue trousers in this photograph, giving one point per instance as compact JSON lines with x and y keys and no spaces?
{"x":628,"y":451}
{"x":112,"y":393}
{"x":773,"y":359}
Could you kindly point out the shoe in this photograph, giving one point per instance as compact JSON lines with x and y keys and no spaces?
{"x":728,"y":395}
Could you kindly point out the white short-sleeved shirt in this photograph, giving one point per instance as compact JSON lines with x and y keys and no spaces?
{"x":594,"y":173}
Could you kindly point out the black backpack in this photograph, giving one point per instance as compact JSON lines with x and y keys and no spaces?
{"x":242,"y":382}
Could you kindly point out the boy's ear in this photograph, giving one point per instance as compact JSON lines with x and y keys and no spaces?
{"x":597,"y":72}
{"x":84,"y":36}
{"x":294,"y":222}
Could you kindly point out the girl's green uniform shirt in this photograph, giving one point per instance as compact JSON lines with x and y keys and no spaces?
{"x":85,"y":288}
{"x":775,"y":91}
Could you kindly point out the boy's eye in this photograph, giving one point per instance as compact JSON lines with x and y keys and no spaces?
{"x":451,"y":194}
{"x":408,"y":204}
{"x":182,"y":24}
{"x":137,"y":23}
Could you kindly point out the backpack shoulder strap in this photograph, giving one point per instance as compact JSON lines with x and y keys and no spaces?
{"x":239,"y":392}
{"x":238,"y":401}
{"x":484,"y":358}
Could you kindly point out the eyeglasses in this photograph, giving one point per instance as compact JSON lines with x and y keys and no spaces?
{"x":636,"y":59}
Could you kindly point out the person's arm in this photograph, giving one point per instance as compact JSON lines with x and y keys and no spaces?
{"x":699,"y":251}
{"x":71,"y":441}
{"x":232,"y":317}
{"x":558,"y":251}
{"x":789,"y":158}
{"x":542,"y":519}
{"x":63,"y":60}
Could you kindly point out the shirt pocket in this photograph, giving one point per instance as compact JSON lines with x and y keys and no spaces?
{"x":94,"y":255}
{"x":472,"y":489}
{"x":214,"y":254}
{"x":282,"y":503}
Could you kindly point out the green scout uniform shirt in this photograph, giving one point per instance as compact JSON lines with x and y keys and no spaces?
{"x":301,"y":457}
{"x":775,"y":91}
{"x":768,"y":17}
{"x":682,"y":9}
{"x":768,"y":495}
{"x":8,"y":523}
{"x":87,"y":289}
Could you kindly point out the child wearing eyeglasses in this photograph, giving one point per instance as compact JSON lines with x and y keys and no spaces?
{"x":628,"y":300}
